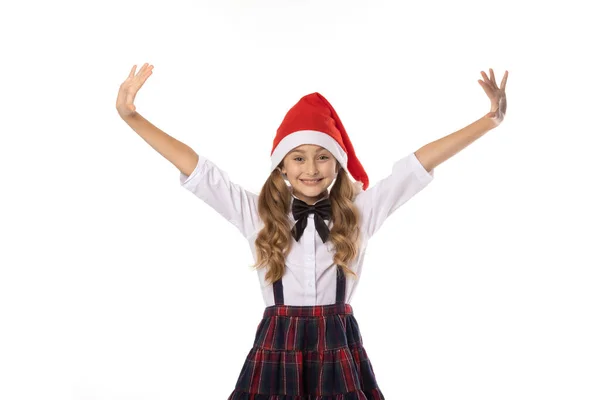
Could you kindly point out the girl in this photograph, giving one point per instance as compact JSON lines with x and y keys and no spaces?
{"x":308,"y":241}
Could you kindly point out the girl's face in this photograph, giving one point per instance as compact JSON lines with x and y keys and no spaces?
{"x":310,"y":169}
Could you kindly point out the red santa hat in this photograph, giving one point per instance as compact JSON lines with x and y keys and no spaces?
{"x":314,"y":121}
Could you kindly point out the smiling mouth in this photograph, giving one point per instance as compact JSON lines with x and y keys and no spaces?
{"x":311,"y":181}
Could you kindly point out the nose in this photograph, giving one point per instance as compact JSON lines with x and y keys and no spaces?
{"x":312,"y":168}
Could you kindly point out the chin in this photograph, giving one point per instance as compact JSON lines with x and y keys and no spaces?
{"x":311,"y":192}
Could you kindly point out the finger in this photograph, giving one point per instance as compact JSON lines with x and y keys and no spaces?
{"x":147,"y":72}
{"x":144,"y":72}
{"x":487,"y":88}
{"x":484,"y":85}
{"x":132,"y":72}
{"x":142,"y":69}
{"x":139,"y":81}
{"x":503,"y":84}
{"x":485,"y":78}
{"x":493,"y":79}
{"x":144,"y":77}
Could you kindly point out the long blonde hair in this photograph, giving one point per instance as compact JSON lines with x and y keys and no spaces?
{"x":273,"y":242}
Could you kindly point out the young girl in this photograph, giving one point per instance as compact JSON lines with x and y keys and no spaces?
{"x":308,"y":241}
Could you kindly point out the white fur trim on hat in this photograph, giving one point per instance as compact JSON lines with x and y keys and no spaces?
{"x":299,"y":138}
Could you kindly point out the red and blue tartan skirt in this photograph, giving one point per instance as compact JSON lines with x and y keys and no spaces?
{"x":307,"y":353}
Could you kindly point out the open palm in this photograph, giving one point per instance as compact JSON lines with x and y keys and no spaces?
{"x":129,"y":89}
{"x":496,"y":94}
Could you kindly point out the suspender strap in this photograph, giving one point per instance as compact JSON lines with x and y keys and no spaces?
{"x":340,"y":291}
{"x":278,"y":292}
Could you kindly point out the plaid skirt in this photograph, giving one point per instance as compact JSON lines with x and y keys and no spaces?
{"x":307,"y":353}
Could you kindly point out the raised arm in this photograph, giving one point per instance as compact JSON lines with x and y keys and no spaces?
{"x":433,"y":154}
{"x":178,"y":153}
{"x":197,"y":174}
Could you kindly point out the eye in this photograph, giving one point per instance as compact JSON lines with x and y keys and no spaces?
{"x":322,"y":157}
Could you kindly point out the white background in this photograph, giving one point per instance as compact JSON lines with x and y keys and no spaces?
{"x":116,"y":283}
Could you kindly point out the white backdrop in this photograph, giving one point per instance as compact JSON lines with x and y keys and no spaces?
{"x":116,"y":283}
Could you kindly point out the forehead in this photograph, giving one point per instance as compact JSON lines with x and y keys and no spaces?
{"x":308,"y":148}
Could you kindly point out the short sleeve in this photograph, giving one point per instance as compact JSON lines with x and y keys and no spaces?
{"x":378,"y":202}
{"x":212,"y":185}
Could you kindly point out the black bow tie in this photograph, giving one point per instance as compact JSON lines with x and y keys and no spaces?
{"x":322,"y":211}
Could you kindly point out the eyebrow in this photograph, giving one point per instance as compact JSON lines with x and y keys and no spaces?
{"x":303,"y":152}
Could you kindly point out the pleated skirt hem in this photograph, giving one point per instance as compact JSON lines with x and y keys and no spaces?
{"x":374,"y":394}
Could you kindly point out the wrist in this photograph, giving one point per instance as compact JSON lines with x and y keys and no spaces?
{"x":129,"y":117}
{"x":491,"y":120}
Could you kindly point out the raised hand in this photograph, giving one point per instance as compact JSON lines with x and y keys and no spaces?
{"x":129,"y":89}
{"x":496,"y":94}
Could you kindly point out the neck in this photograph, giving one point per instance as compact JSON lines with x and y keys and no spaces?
{"x":310,"y":200}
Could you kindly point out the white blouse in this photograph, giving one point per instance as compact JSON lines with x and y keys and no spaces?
{"x":310,"y":275}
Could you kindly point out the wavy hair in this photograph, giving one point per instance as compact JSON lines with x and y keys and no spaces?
{"x":273,"y":243}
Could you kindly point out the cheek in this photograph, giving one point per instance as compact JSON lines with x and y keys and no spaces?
{"x":331,"y":170}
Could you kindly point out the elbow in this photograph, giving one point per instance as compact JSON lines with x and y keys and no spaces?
{"x":424,"y":158}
